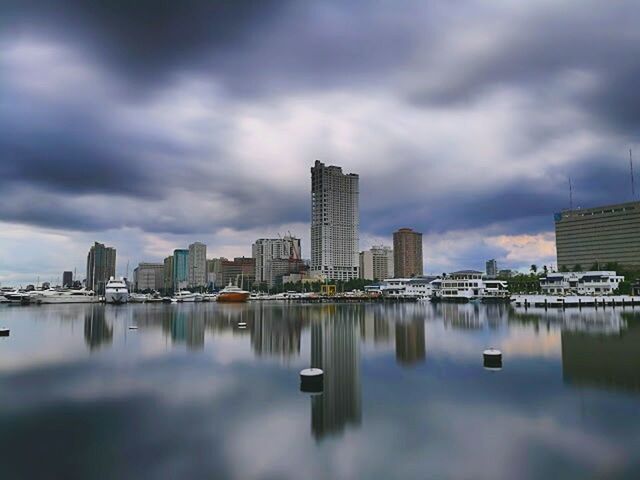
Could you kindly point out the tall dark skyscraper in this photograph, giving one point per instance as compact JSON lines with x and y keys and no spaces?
{"x":67,"y":279}
{"x":101,"y":264}
{"x":335,"y":221}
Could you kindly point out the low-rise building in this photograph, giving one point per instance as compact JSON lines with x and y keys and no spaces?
{"x":580,"y":283}
{"x":148,"y":276}
{"x":240,"y":271}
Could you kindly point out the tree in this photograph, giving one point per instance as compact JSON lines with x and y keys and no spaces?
{"x":534,"y":268}
{"x":577,"y":268}
{"x":545,"y":269}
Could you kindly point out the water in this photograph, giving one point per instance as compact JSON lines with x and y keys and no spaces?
{"x":190,"y":395}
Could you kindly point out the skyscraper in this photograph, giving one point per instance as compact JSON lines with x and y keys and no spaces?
{"x":376,"y":263}
{"x":180,"y":268}
{"x":492,"y":268}
{"x":197,"y":265}
{"x":335,"y":222}
{"x":101,"y":264}
{"x":67,"y":279}
{"x":407,"y":252}
{"x":268,"y":251}
{"x":148,"y":276}
{"x":168,"y":274}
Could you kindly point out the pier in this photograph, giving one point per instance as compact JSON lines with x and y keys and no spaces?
{"x":576,"y":301}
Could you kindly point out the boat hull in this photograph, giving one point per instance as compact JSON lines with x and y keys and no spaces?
{"x":233,"y":297}
{"x":116,"y":298}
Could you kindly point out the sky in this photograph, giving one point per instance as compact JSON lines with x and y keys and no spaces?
{"x":150,"y":125}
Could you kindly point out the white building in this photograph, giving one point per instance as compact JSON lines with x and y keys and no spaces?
{"x":197,"y":265}
{"x":581,"y":283}
{"x":335,"y":222}
{"x":266,"y":250}
{"x":376,"y":263}
{"x":466,"y":285}
{"x":416,"y":287}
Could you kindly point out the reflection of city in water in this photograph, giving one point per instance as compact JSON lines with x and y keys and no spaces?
{"x":97,"y":331}
{"x":335,"y":349}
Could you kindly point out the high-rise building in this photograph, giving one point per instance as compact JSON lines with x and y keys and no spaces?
{"x":276,"y":257}
{"x":407,"y":252}
{"x":492,"y":268}
{"x":240,"y":271}
{"x":335,"y":222}
{"x":148,"y":276}
{"x":168,"y":274}
{"x":197,"y":273}
{"x":67,"y":279}
{"x":101,"y":264}
{"x":214,"y":272}
{"x":376,"y":263}
{"x":592,"y":237}
{"x":180,"y":268}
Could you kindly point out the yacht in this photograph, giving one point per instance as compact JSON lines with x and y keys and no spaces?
{"x":17,"y":297}
{"x":66,"y":296}
{"x":232,"y":294}
{"x":187,"y":296}
{"x":116,"y":291}
{"x":138,"y":297}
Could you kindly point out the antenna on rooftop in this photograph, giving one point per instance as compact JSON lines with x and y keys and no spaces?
{"x":633,"y":187}
{"x":570,"y":195}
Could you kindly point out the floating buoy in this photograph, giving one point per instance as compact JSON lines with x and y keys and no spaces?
{"x":4,"y":332}
{"x":132,"y":327}
{"x":311,"y":380}
{"x":492,"y":359}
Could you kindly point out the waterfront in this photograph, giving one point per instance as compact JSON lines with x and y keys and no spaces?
{"x":190,"y":395}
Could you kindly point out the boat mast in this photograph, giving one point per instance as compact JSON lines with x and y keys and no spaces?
{"x":633,"y":188}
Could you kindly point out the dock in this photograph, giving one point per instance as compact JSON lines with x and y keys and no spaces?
{"x":576,"y":301}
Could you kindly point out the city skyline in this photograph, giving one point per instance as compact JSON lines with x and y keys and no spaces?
{"x":150,"y":146}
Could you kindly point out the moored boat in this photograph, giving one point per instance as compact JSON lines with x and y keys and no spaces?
{"x":232,"y":294}
{"x":116,"y":291}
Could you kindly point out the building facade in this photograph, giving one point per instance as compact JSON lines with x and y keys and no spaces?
{"x":580,"y":283}
{"x":376,"y":263}
{"x":67,"y":279}
{"x":275,"y":256}
{"x":148,"y":277}
{"x":491,"y":268}
{"x":335,"y":222}
{"x":168,"y":274}
{"x":197,"y":265}
{"x":214,"y":272}
{"x":101,"y":265}
{"x":180,"y":268}
{"x":596,"y":236}
{"x":407,"y":252}
{"x":240,"y":271}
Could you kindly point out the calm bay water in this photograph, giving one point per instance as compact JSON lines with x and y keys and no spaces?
{"x":190,"y":395}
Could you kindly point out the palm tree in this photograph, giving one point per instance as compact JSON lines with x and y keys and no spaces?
{"x":534,"y":268}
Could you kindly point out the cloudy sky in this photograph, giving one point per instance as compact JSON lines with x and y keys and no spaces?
{"x":153,"y":125}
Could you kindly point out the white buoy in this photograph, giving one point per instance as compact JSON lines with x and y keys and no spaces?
{"x":492,"y":359}
{"x":4,"y":332}
{"x":311,"y":380}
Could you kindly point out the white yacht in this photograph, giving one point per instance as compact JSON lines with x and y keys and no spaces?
{"x":116,"y":291}
{"x":66,"y":296}
{"x":138,"y":297}
{"x":187,"y":296}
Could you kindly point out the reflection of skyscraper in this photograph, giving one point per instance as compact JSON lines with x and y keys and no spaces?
{"x":597,"y":360}
{"x":273,"y":333}
{"x":375,"y":325}
{"x":187,"y":327}
{"x":335,"y":349}
{"x":96,"y":329}
{"x":410,"y":343}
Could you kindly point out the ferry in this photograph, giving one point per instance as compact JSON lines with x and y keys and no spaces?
{"x":469,"y":286}
{"x":116,"y":291}
{"x":232,"y":294}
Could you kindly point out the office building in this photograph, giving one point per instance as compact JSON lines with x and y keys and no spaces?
{"x":101,"y":265}
{"x":591,"y":238}
{"x":67,"y":279}
{"x":214,"y":272}
{"x":407,"y":253}
{"x":580,"y":283}
{"x":334,"y":222}
{"x":180,"y":269}
{"x":240,"y":271}
{"x":376,"y":263}
{"x":148,"y":277}
{"x":276,"y":257}
{"x":168,"y":274}
{"x":197,"y":264}
{"x":492,"y":268}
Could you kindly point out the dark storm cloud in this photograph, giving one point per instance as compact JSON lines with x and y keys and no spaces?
{"x":256,"y":52}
